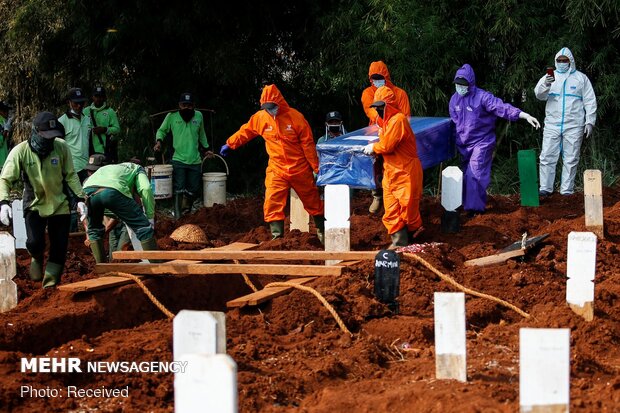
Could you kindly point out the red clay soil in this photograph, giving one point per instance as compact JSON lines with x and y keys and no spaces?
{"x":290,"y":353}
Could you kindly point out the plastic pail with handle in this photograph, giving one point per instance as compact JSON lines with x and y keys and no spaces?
{"x":161,"y":180}
{"x":214,"y":185}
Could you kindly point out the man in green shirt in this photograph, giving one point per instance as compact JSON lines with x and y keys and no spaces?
{"x":44,"y":164}
{"x":4,"y":133}
{"x":188,"y":137}
{"x":105,"y":126}
{"x":113,"y":188}
{"x":77,"y":130}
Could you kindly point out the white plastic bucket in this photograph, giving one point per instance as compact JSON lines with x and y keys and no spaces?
{"x":214,"y":188}
{"x":161,"y":181}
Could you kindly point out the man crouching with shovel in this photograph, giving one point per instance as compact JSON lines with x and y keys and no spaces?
{"x":113,"y":187}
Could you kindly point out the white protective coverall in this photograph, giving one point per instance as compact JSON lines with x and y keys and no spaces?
{"x":571,"y":104}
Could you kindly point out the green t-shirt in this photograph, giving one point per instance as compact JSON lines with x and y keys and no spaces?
{"x":43,"y":180}
{"x":185,"y":136}
{"x":4,"y":145}
{"x":105,"y":117}
{"x":127,"y":178}
{"x":77,"y":133}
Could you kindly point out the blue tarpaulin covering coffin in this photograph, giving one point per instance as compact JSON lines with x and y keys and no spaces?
{"x":341,"y":160}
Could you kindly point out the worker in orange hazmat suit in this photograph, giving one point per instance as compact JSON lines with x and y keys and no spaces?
{"x":379,"y":75}
{"x":402,"y":170}
{"x":292,"y":159}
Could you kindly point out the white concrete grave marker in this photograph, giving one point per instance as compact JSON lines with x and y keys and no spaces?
{"x":544,"y":370}
{"x":19,"y":225}
{"x":451,"y":188}
{"x":337,"y":224}
{"x":450,"y":347}
{"x":580,"y":270}
{"x":8,"y":270}
{"x":300,"y":219}
{"x":593,"y":201}
{"x":209,"y":384}
{"x":198,"y":332}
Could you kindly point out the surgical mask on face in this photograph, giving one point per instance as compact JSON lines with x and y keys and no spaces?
{"x":562,"y":67}
{"x":378,"y":82}
{"x":461,"y":89}
{"x":273,"y":112}
{"x":40,"y":145}
{"x":333,"y":128}
{"x":186,"y":114}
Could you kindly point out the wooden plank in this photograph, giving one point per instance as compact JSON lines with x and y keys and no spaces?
{"x":103,"y":283}
{"x":593,"y":200}
{"x":265,"y":294}
{"x":494,"y":259}
{"x":95,"y":284}
{"x":217,"y":255}
{"x":203,"y":269}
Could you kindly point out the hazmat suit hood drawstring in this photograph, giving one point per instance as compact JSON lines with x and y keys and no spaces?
{"x":271,"y":94}
{"x":565,"y":51}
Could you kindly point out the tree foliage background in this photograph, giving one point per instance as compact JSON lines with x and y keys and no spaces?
{"x":317,"y":51}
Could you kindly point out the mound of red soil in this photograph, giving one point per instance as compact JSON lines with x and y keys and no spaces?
{"x":291,"y":354}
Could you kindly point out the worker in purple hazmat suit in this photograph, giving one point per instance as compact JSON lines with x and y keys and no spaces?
{"x":474,"y":111}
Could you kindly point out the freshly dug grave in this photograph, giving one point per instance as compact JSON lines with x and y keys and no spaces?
{"x":291,"y":355}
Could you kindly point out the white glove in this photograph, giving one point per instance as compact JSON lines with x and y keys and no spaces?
{"x":82,"y":209}
{"x":152,"y":222}
{"x":587,"y":131}
{"x":530,"y":119}
{"x":6,"y":214}
{"x":549,"y":80}
{"x":368,"y":149}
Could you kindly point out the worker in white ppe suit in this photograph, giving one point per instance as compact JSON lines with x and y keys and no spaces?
{"x":570,"y":115}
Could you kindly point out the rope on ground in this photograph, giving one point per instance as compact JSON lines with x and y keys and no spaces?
{"x":246,"y":278}
{"x":466,"y":290}
{"x":148,"y":293}
{"x":319,"y":297}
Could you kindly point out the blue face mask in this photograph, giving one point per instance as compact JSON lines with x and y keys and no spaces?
{"x":562,"y":67}
{"x":378,"y":82}
{"x":461,"y":89}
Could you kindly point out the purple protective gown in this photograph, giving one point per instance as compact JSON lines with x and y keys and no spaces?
{"x":474,"y":115}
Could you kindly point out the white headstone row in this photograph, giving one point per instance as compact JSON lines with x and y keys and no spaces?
{"x":8,"y":270}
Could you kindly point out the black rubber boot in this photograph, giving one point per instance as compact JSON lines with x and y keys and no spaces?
{"x":319,"y":223}
{"x":400,"y":238}
{"x":186,"y":205}
{"x":53,"y":272}
{"x":277,"y":229}
{"x":36,"y":268}
{"x":98,"y":251}
{"x":178,"y":200}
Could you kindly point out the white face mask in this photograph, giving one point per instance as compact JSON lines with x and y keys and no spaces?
{"x":378,"y":82}
{"x":562,"y":67}
{"x":461,"y":89}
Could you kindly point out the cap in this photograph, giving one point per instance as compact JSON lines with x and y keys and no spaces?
{"x":48,"y":126}
{"x":96,"y":161}
{"x":461,"y":81}
{"x":268,"y":105}
{"x":334,"y":115}
{"x":99,"y":91}
{"x":186,"y":97}
{"x":4,"y":106}
{"x":76,"y":95}
{"x":377,"y":103}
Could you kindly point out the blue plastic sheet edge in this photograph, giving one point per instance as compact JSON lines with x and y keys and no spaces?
{"x":341,"y":160}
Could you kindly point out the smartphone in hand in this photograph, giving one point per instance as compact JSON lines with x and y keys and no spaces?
{"x":550,"y":71}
